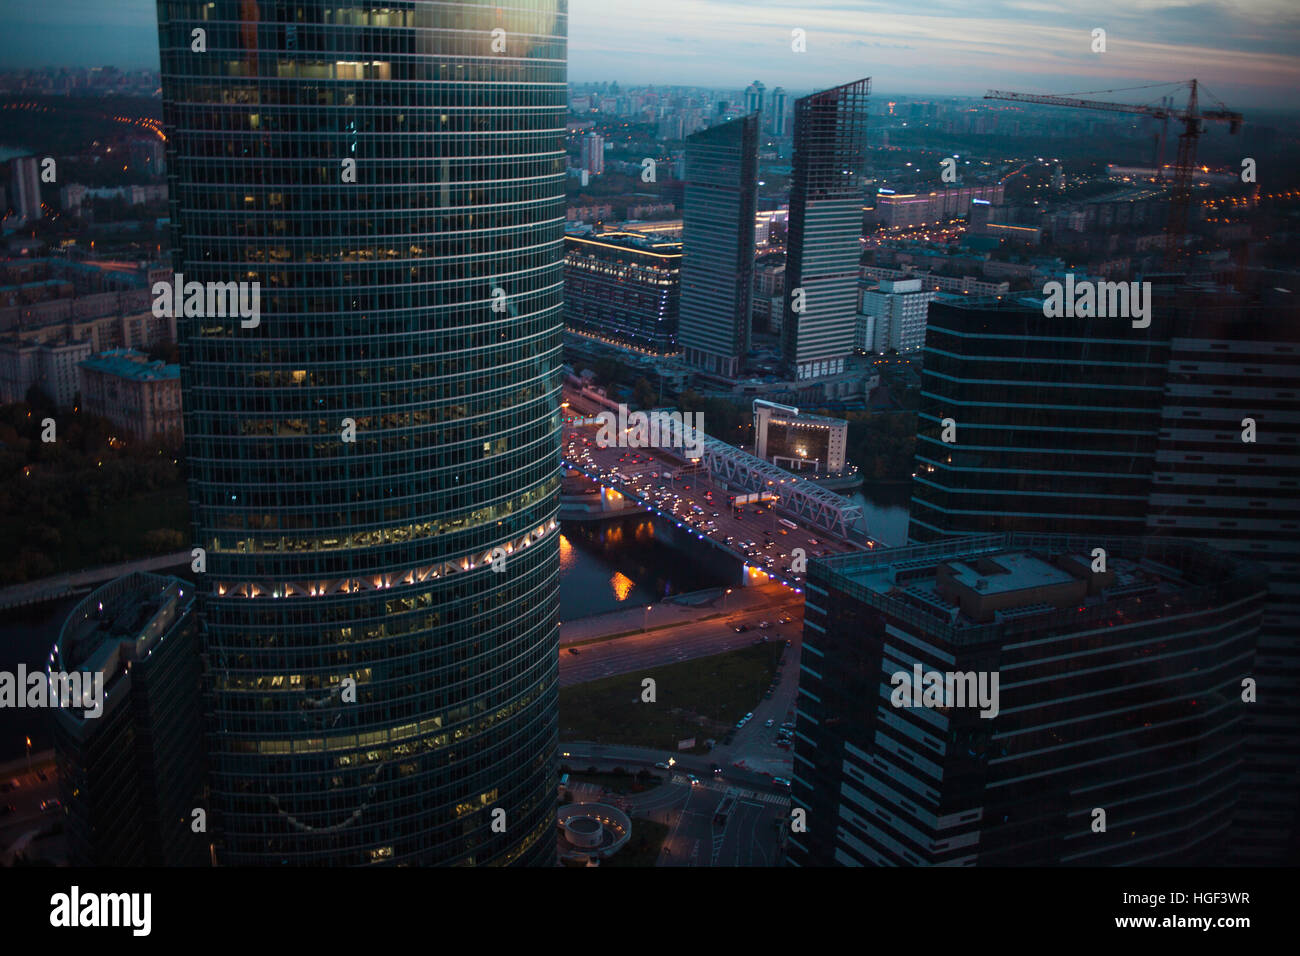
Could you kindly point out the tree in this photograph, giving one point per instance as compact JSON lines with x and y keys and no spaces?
{"x":643,"y":393}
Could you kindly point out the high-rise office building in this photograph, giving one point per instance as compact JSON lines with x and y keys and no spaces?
{"x":131,"y":776}
{"x":754,"y":98}
{"x":721,"y":201}
{"x":593,"y":154}
{"x":824,"y":247}
{"x":1227,"y":472}
{"x":892,"y":315}
{"x":1034,"y":424}
{"x":1088,"y":425}
{"x":1003,"y":700}
{"x":367,"y":449}
{"x":25,"y":189}
{"x":780,"y":111}
{"x":623,"y":287}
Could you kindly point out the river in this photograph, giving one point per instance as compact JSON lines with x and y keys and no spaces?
{"x":624,"y":562}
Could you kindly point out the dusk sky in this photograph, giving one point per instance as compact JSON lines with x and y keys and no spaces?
{"x":1244,"y":51}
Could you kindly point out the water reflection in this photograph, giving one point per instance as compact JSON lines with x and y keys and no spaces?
{"x":631,"y":561}
{"x":885,"y":507}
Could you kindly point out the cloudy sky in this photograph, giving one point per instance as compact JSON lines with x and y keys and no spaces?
{"x":1247,"y":52}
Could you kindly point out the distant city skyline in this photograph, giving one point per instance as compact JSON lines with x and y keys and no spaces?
{"x":1242,"y":51}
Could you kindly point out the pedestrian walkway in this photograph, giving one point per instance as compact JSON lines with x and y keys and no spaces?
{"x":747,"y":794}
{"x":776,"y":799}
{"x":62,"y":585}
{"x":674,"y":613}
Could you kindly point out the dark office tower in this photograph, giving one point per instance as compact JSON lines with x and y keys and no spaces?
{"x":1229,"y":362}
{"x":830,"y":149}
{"x":754,"y":98}
{"x":1117,"y":690}
{"x":365,"y":455}
{"x":721,"y":203}
{"x":780,"y":110}
{"x":131,"y":776}
{"x":1053,"y":421}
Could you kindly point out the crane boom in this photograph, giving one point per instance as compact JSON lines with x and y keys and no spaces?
{"x":1192,"y":119}
{"x":1158,"y":112}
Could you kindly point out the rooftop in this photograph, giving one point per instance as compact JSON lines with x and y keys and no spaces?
{"x":1020,"y":571}
{"x":130,"y":364}
{"x":981,"y":588}
{"x":632,"y":241}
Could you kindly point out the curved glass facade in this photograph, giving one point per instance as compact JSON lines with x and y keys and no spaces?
{"x":415,"y":298}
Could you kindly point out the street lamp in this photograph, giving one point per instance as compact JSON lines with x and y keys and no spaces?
{"x":645,"y":619}
{"x":29,"y":754}
{"x":724,"y":598}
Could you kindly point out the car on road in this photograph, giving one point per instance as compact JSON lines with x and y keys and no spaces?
{"x":781,"y":782}
{"x":765,"y":624}
{"x":740,"y":723}
{"x":695,"y":781}
{"x":787,"y":643}
{"x":749,"y":716}
{"x":717,"y":769}
{"x":769,"y":722}
{"x":52,"y":804}
{"x":784,"y":619}
{"x":573,"y":650}
{"x":661,"y":765}
{"x":741,"y":628}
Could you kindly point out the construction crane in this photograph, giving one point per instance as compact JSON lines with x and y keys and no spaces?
{"x":1192,"y":118}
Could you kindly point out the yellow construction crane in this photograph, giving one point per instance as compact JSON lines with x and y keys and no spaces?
{"x":1192,"y":118}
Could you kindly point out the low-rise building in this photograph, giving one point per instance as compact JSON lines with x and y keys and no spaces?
{"x":53,"y":368}
{"x":140,"y":397}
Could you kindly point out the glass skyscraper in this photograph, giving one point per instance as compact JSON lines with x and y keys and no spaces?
{"x":1232,"y":359}
{"x":1053,"y":421}
{"x":721,"y":201}
{"x":824,"y":245}
{"x":373,"y":461}
{"x":1093,"y":427}
{"x":131,"y":776}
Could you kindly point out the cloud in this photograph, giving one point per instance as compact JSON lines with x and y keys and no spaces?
{"x":947,"y":45}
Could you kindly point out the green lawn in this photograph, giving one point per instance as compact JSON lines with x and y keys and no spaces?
{"x":701,"y":698}
{"x":644,"y":846}
{"x":102,"y":530}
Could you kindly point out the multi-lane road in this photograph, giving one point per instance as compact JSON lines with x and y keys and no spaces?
{"x":753,"y":533}
{"x":683,"y":642}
